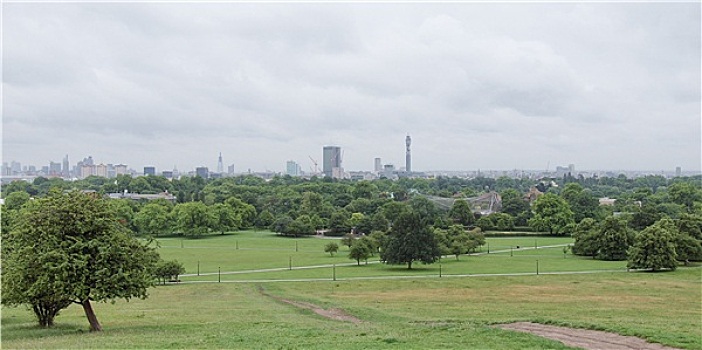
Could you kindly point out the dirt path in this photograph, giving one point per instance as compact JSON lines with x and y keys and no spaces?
{"x":584,"y":338}
{"x":331,"y":313}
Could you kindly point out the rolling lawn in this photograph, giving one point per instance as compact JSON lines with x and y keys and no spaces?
{"x":399,"y":308}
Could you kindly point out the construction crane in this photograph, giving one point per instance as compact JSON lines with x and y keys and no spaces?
{"x":316,"y":168}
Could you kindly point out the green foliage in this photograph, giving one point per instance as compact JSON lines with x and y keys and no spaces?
{"x":461,"y":213}
{"x":654,"y":247}
{"x":15,"y":200}
{"x":613,"y":239}
{"x":245,"y":212}
{"x":360,"y":250}
{"x":331,"y":248}
{"x":168,"y":271}
{"x":348,"y":240}
{"x":585,"y":236}
{"x":581,"y":201}
{"x":70,"y":248}
{"x":224,"y":218}
{"x":410,"y":239}
{"x":264,"y":219}
{"x":552,"y":214}
{"x":193,"y":218}
{"x":153,"y":218}
{"x":685,"y":194}
{"x":339,"y":223}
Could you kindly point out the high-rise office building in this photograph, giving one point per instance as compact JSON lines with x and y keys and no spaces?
{"x":408,"y":155}
{"x":378,"y":165}
{"x":331,"y":160}
{"x":678,"y":171}
{"x":292,"y":168}
{"x":66,"y":170}
{"x":220,"y":165}
{"x":149,"y":170}
{"x":230,"y":169}
{"x":101,"y":170}
{"x":202,"y":172}
{"x":54,"y":168}
{"x":120,"y":169}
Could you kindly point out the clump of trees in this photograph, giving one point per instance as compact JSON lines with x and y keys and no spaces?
{"x":168,"y":271}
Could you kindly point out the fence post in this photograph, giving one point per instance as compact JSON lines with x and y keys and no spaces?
{"x":295,"y":246}
{"x":439,"y":270}
{"x":290,"y":263}
{"x":334,"y":272}
{"x":537,"y":267}
{"x":511,"y":253}
{"x":237,"y":244}
{"x":488,"y":243}
{"x":219,"y":274}
{"x":198,"y":267}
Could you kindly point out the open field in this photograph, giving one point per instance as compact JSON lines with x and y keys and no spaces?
{"x":418,"y":311}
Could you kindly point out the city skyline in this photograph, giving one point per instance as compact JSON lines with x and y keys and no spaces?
{"x":478,"y":86}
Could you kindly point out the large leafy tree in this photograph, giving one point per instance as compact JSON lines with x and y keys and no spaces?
{"x":153,"y":218}
{"x":654,"y":247}
{"x":613,"y":239}
{"x":224,"y":218}
{"x":581,"y":201}
{"x":410,"y":239}
{"x":71,"y":248}
{"x":552,"y":214}
{"x":193,"y":218}
{"x":461,"y":213}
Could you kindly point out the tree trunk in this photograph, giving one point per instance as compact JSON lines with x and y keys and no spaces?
{"x":409,"y":265}
{"x":90,"y":314}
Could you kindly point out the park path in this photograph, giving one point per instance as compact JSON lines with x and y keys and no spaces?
{"x":585,"y":338}
{"x":276,"y":269}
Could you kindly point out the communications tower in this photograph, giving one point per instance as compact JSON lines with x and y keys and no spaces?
{"x":408,"y":154}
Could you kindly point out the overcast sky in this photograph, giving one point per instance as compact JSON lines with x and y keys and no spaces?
{"x":477,"y":85}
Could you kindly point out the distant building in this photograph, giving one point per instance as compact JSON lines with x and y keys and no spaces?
{"x":378,"y":165}
{"x":202,"y":172}
{"x":408,"y":154}
{"x":136,"y":196}
{"x":66,"y":170}
{"x":168,"y":174}
{"x":149,"y":170}
{"x":120,"y":169}
{"x":101,"y":170}
{"x":230,"y":169}
{"x":331,"y":159}
{"x":292,"y":168}
{"x":220,"y":165}
{"x":54,"y":168}
{"x":678,"y":171}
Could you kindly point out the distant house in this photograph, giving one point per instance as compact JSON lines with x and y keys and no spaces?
{"x":136,"y":196}
{"x":533,"y":194}
{"x":607,"y":201}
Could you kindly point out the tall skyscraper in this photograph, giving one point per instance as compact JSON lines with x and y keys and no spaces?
{"x":378,"y":165}
{"x":331,"y":160}
{"x":292,"y":168}
{"x":408,"y":154}
{"x":220,"y":165}
{"x":149,"y":170}
{"x":66,"y":170}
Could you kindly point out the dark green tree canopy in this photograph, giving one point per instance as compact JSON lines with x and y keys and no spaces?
{"x":654,"y":247}
{"x":71,"y":248}
{"x":410,"y":239}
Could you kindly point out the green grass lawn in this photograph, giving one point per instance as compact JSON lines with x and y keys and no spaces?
{"x":417,"y":311}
